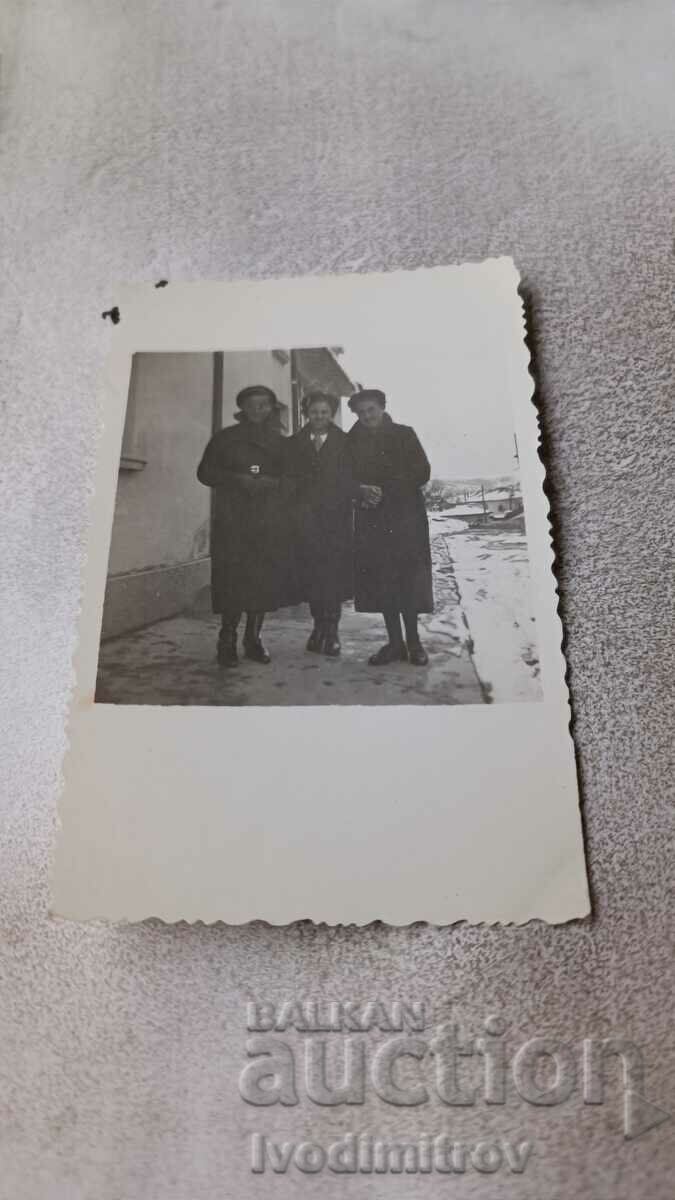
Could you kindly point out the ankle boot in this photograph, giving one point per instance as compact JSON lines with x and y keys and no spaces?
{"x":227,"y":645}
{"x":331,"y":645}
{"x":253,"y":647}
{"x":316,"y":637}
{"x":392,"y":652}
{"x":417,"y":654}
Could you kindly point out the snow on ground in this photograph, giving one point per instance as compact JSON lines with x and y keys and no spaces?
{"x":491,"y":573}
{"x":481,"y":630}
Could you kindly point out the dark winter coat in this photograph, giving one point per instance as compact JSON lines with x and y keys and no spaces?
{"x":251,"y":568}
{"x":323,"y":518}
{"x":391,"y":543}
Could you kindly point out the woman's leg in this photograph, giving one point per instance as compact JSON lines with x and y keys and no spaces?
{"x":227,"y":640}
{"x":392,"y":619}
{"x":395,"y":650}
{"x":416,"y":652}
{"x":410,"y":623}
{"x":318,"y":634}
{"x":253,"y":647}
{"x":331,"y":645}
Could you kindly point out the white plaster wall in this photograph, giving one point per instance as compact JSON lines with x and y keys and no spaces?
{"x":223,"y":139}
{"x":162,"y":511}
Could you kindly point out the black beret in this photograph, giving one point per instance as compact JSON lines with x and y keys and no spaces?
{"x":315,"y":397}
{"x":258,"y":389}
{"x":368,"y":394}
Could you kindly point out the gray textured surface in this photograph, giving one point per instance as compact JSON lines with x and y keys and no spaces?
{"x":165,"y":140}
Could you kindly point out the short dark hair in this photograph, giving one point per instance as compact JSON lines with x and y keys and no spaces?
{"x":368,"y":394}
{"x":317,"y":398}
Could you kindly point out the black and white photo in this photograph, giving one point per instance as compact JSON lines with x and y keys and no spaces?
{"x":364,"y":546}
{"x":319,"y":670}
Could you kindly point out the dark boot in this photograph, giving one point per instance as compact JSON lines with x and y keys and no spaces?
{"x":331,"y":646}
{"x":227,"y":642}
{"x":395,"y":650}
{"x":253,"y":647}
{"x":416,"y":652}
{"x":316,"y":637}
{"x":389,"y":654}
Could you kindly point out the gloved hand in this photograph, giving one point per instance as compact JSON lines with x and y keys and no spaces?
{"x":370,"y":495}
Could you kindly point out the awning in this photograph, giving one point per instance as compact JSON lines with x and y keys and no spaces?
{"x":319,"y":370}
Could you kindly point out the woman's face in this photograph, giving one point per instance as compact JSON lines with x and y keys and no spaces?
{"x":319,"y":416}
{"x":257,"y":408}
{"x":370,"y":413}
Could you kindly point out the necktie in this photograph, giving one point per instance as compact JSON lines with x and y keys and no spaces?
{"x":316,"y":438}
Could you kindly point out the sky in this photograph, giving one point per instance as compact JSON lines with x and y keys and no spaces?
{"x":453,"y":396}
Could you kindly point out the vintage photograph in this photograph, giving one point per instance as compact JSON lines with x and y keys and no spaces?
{"x":317,"y":525}
{"x":319,"y":623}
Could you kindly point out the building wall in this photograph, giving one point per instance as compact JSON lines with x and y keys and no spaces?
{"x":159,"y":552}
{"x":162,"y":511}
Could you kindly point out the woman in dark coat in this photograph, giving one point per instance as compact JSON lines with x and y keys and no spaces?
{"x":319,"y":466}
{"x":250,"y":542}
{"x":392,"y":554}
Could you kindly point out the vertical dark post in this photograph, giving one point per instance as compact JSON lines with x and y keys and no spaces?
{"x":217,"y":411}
{"x":295,"y":394}
{"x":216,"y":417}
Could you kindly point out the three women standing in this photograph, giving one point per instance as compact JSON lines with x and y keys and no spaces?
{"x":285,"y":528}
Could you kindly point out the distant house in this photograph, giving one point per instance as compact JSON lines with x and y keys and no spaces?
{"x":499,"y":500}
{"x":484,"y":506}
{"x":159,"y":552}
{"x":466,"y":511}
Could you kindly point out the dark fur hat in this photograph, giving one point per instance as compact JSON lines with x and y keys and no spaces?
{"x":314,"y":398}
{"x":257,"y":389}
{"x":368,"y":394}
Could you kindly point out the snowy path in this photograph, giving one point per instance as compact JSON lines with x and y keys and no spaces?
{"x":491,"y":575}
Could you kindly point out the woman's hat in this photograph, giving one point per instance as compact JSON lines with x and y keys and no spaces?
{"x":257,"y":389}
{"x":317,"y":397}
{"x":368,"y":394}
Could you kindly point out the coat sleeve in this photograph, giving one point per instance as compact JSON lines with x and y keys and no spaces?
{"x":290,"y":457}
{"x":414,"y":468}
{"x":212,"y":471}
{"x":351,"y":485}
{"x":289,"y":468}
{"x":352,"y":480}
